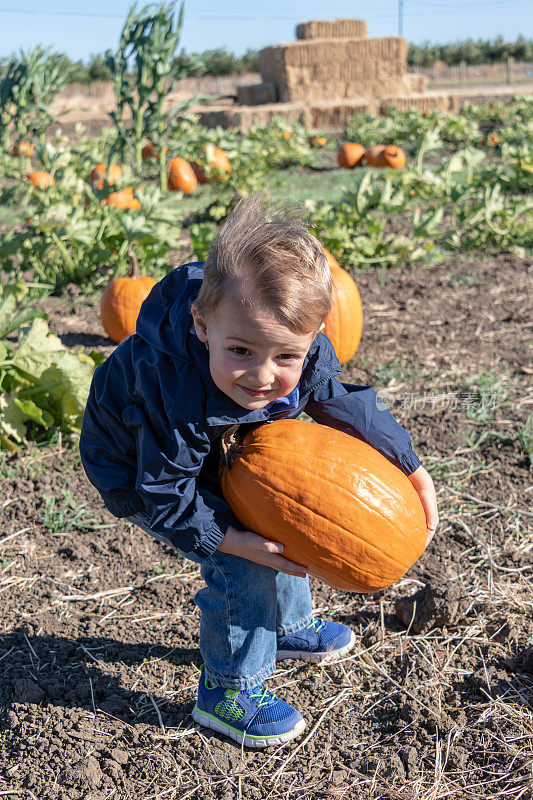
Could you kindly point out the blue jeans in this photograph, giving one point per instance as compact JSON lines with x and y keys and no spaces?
{"x":244,"y":607}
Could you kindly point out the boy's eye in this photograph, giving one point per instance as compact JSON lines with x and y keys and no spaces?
{"x":289,"y":357}
{"x":240,"y":351}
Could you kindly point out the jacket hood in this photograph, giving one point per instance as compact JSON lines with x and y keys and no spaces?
{"x":165,"y":320}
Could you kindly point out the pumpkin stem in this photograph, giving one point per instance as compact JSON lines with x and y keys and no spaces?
{"x":134,"y":271}
{"x":231,"y":446}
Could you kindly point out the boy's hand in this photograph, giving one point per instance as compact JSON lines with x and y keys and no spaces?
{"x":247,"y":544}
{"x":423,"y":483}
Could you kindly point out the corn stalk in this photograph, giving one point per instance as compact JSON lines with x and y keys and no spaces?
{"x":148,"y":42}
{"x":30,"y":83}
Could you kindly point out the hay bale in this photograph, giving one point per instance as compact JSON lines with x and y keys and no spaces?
{"x":415,"y":84}
{"x":442,"y":101}
{"x":257,"y":94}
{"x":332,"y":29}
{"x":336,"y":113}
{"x":333,"y":113}
{"x":322,"y":69}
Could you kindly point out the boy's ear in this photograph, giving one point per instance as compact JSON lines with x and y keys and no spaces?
{"x":322,"y":326}
{"x":200,"y":325}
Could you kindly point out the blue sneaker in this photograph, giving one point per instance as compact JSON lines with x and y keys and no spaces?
{"x":319,"y":641}
{"x":254,"y":716}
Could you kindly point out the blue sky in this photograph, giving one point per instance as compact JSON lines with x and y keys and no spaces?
{"x":84,"y":27}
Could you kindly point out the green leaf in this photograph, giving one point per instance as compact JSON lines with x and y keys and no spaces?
{"x":34,"y":413}
{"x":12,"y":420}
{"x":97,"y":357}
{"x":38,"y":348}
{"x":65,"y":386}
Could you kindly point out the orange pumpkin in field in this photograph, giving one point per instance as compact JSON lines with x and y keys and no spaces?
{"x":123,"y":199}
{"x":219,"y":161}
{"x":22,"y":149}
{"x":148,"y":151}
{"x":317,"y":141}
{"x":41,"y":179}
{"x":121,"y":301}
{"x":181,"y":177}
{"x":344,"y":323}
{"x":372,"y":153}
{"x":337,"y":506}
{"x":350,"y":155}
{"x":98,"y":175}
{"x":391,"y":156}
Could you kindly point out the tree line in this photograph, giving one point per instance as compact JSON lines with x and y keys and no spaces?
{"x":221,"y":62}
{"x":470,"y":51}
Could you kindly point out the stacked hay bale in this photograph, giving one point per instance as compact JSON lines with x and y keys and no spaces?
{"x":332,"y":29}
{"x":320,"y":69}
{"x":321,"y":80}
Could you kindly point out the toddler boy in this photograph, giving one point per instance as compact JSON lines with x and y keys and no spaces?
{"x":236,"y":341}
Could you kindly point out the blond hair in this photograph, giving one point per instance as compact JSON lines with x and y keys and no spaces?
{"x":265,"y":257}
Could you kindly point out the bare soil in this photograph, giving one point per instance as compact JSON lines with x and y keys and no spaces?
{"x":99,"y":632}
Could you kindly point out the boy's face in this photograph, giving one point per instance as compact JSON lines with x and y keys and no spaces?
{"x":252,"y":357}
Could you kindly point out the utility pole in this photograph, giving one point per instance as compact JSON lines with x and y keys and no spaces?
{"x":400,"y":17}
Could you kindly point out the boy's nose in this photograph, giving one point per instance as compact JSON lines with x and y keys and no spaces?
{"x":262,"y":375}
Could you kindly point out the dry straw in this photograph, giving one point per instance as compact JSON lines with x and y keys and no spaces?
{"x":344,"y":68}
{"x":332,"y":29}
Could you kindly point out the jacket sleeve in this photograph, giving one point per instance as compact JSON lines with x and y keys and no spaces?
{"x":358,"y":410}
{"x":137,"y":461}
{"x":168,"y":468}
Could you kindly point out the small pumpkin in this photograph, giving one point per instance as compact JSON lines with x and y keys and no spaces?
{"x":148,"y":151}
{"x":41,"y":179}
{"x":317,"y":141}
{"x":391,"y":156}
{"x":219,"y":162}
{"x":123,"y":199}
{"x":337,"y":506}
{"x":121,"y":301}
{"x":349,"y":155}
{"x":344,"y":323}
{"x":181,"y":177}
{"x":372,"y":153}
{"x":22,"y":149}
{"x":493,"y":140}
{"x":98,"y":175}
{"x":286,"y":135}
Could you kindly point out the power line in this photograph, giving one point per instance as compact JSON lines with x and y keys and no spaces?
{"x":439,"y":8}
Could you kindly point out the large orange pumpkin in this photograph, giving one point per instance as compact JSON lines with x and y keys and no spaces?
{"x":121,"y":301}
{"x":372,"y":153}
{"x":344,"y":323}
{"x":337,"y":506}
{"x":181,"y":177}
{"x":41,"y":179}
{"x":22,"y":149}
{"x":391,"y":156}
{"x":219,"y":161}
{"x":350,"y":155}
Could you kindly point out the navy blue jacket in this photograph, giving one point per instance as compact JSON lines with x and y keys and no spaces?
{"x":154,"y":418}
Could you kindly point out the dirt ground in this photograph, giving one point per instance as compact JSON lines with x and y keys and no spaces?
{"x":99,"y":631}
